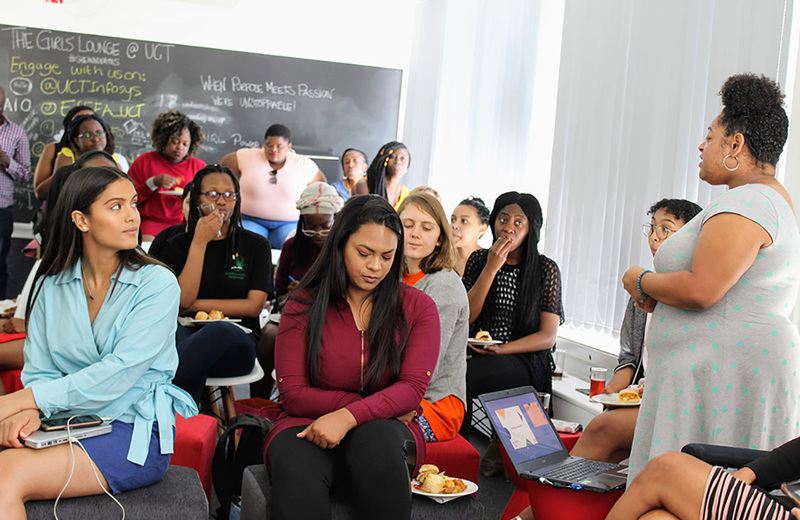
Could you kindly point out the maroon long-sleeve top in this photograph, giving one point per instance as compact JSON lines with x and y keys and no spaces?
{"x":340,"y":365}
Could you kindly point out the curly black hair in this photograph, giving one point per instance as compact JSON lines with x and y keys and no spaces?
{"x":684,"y":209}
{"x":753,"y":106}
{"x":171,"y":123}
{"x":480,"y":208}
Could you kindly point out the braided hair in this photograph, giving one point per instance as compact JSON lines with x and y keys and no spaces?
{"x":236,"y":216}
{"x":376,"y":173}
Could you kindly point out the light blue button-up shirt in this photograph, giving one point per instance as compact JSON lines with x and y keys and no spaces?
{"x":120,"y":367}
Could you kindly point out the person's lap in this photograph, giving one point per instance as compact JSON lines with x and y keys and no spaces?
{"x":276,"y":231}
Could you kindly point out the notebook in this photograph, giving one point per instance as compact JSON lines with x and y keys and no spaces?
{"x":43,"y":439}
{"x":535,"y":448}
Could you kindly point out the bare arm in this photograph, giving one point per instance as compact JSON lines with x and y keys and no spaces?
{"x":232,"y":162}
{"x":544,"y":339}
{"x":621,"y":380}
{"x":192,"y":272}
{"x":361,"y":188}
{"x":62,"y":160}
{"x":43,"y":174}
{"x":477,"y":294}
{"x":238,"y":308}
{"x":726,"y":248}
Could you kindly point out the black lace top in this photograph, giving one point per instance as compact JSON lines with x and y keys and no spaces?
{"x":497,"y":316}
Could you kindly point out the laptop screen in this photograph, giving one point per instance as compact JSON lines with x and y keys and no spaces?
{"x":524,"y":428}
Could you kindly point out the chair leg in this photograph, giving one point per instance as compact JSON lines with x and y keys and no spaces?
{"x":227,"y":403}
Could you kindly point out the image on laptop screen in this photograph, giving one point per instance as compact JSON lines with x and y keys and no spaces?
{"x":524,"y":426}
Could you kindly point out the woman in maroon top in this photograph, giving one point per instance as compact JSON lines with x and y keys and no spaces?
{"x":354,"y":356}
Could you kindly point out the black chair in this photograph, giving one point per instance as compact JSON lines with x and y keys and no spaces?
{"x":730,"y":457}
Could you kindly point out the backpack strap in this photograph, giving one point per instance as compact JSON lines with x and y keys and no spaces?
{"x":222,"y":466}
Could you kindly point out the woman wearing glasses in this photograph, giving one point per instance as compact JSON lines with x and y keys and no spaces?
{"x":722,"y":351}
{"x":317,"y":205}
{"x":220,"y":266}
{"x":88,"y":132}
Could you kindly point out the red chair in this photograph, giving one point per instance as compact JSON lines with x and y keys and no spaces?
{"x":11,"y":380}
{"x":549,"y":503}
{"x":521,"y":497}
{"x":456,"y":457}
{"x":195,"y":440}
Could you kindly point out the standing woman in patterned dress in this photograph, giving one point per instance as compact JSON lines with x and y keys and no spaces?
{"x":514,"y":294}
{"x":723,"y":353}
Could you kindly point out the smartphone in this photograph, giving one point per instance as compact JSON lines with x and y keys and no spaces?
{"x":792,"y":489}
{"x":78,"y":421}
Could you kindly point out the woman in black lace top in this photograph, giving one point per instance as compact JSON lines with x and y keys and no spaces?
{"x":515,"y":295}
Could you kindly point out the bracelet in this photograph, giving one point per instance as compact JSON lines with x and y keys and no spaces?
{"x":639,"y":284}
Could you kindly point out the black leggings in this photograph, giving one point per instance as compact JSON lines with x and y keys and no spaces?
{"x":371,"y":460}
{"x":493,"y":373}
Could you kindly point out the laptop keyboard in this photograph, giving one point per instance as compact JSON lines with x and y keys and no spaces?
{"x":578,"y":469}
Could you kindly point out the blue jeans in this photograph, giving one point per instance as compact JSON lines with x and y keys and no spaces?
{"x":217,"y":349}
{"x":275,"y":231}
{"x":6,"y":228}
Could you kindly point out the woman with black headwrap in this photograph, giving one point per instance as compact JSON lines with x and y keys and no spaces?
{"x":514,"y":294}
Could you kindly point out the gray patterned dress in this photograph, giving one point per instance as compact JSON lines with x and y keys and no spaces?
{"x":726,"y":375}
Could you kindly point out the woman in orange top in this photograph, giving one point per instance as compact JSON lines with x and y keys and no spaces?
{"x":429,"y":259}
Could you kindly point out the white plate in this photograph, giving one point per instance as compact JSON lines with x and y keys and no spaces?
{"x":612,"y":400}
{"x":445,"y":497}
{"x":473,"y":341}
{"x":171,"y":192}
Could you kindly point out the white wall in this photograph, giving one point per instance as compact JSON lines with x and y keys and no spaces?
{"x":363,"y":32}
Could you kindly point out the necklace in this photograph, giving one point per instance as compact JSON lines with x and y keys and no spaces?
{"x":86,"y":284}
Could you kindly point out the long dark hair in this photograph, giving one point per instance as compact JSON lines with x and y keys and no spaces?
{"x":59,"y":178}
{"x":327,"y":283}
{"x":303,"y":247}
{"x":235,"y":225}
{"x":531,"y":283}
{"x":65,"y":247}
{"x":376,"y":173}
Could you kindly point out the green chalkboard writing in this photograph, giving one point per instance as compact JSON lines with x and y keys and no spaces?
{"x":234,"y":96}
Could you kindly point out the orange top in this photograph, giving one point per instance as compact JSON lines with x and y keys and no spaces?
{"x":444,"y":416}
{"x":411,"y":279}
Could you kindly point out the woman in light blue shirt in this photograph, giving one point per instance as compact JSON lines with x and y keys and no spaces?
{"x":101,"y":340}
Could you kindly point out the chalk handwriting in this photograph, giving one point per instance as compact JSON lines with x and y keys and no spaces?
{"x":212,"y":84}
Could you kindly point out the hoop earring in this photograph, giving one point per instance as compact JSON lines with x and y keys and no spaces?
{"x":726,"y":166}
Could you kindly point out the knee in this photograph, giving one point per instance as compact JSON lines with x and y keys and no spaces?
{"x":600,"y":426}
{"x":663,"y":468}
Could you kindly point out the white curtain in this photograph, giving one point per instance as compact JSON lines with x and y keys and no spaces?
{"x":637,"y":89}
{"x":481,"y":97}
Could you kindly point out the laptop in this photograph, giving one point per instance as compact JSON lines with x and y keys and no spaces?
{"x":42,"y":439}
{"x":535,"y":448}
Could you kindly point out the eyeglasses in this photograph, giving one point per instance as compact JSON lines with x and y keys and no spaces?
{"x":662,"y":232}
{"x":273,"y":177}
{"x":89,"y":136}
{"x":312,"y":233}
{"x":214,"y":195}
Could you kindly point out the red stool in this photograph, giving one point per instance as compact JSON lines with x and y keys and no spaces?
{"x":11,"y":380}
{"x":195,"y":440}
{"x":549,"y":503}
{"x":520,"y":499}
{"x":456,"y":457}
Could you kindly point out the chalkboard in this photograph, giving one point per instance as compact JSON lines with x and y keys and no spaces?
{"x":233,"y":96}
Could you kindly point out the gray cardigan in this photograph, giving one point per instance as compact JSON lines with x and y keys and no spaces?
{"x":631,"y":340}
{"x":450,"y":296}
